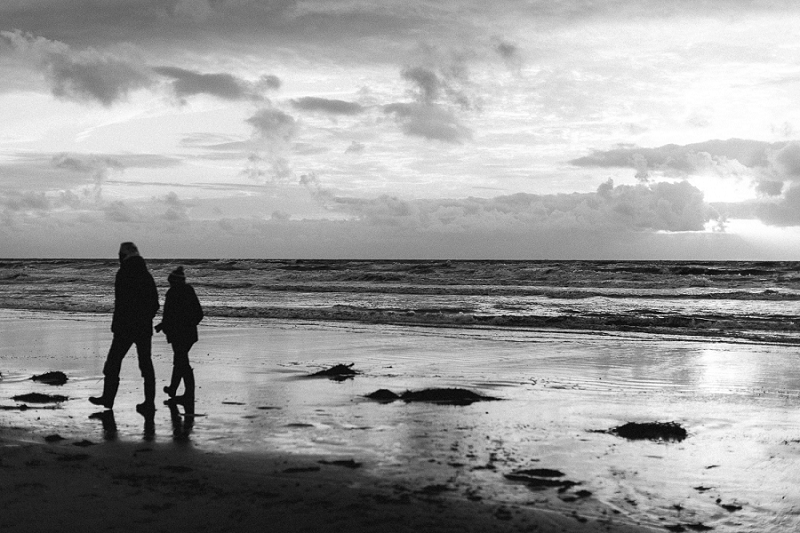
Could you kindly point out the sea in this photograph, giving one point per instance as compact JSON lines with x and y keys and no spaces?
{"x":736,"y":301}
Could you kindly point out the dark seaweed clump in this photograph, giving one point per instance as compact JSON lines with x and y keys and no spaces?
{"x":383,"y":395}
{"x":337,"y":372}
{"x":541,"y":478}
{"x":659,"y":431}
{"x":51,"y":378}
{"x":35,"y":397}
{"x":439,"y":396}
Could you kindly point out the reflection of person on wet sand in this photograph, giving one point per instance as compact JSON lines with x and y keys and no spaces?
{"x":181,"y":426}
{"x":135,"y":305}
{"x":182,"y":314}
{"x":109,"y":424}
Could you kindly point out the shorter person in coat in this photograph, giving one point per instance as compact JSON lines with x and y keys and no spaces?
{"x":182,"y":314}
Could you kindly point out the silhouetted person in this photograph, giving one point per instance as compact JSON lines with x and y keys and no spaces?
{"x":135,"y":305}
{"x":182,"y":314}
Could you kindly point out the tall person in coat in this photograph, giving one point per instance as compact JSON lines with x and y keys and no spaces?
{"x":182,"y":314}
{"x":135,"y":305}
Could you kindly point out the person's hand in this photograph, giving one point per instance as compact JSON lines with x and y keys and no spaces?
{"x":159,"y":327}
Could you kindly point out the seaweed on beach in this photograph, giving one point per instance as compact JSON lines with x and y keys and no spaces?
{"x":383,"y":395}
{"x":681,"y":528}
{"x":346,"y":463}
{"x":445,"y":396}
{"x":35,"y":397}
{"x":541,"y":478}
{"x":51,"y":378}
{"x":338,"y":372}
{"x":438,"y":396}
{"x":657,"y":431}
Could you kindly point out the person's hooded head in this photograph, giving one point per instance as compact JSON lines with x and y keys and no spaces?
{"x":176,"y":277}
{"x":127,"y":250}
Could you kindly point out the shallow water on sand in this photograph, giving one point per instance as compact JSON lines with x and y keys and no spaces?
{"x":736,"y":471}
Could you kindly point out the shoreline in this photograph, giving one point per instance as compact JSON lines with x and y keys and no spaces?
{"x":760,"y":338}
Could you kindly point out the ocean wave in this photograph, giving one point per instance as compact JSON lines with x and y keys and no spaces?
{"x":731,"y":299}
{"x":771,"y":329}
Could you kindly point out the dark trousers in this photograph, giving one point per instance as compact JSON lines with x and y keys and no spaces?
{"x":181,"y":369}
{"x":119,"y":348}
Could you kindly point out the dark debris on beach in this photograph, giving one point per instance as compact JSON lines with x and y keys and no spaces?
{"x":656,"y":431}
{"x":346,"y":463}
{"x":542,"y":478}
{"x":681,"y":528}
{"x":438,"y":396}
{"x":338,"y":372}
{"x":36,"y":397}
{"x":51,"y":378}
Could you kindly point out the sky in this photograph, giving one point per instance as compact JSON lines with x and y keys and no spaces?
{"x":413,"y":129}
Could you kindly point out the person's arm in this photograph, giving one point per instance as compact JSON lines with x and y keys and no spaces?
{"x":197,"y":311}
{"x":154,"y":305}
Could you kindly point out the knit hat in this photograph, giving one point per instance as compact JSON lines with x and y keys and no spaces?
{"x":177,"y":275}
{"x":127,"y":250}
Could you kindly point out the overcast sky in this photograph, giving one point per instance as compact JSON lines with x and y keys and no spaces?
{"x":509,"y":129}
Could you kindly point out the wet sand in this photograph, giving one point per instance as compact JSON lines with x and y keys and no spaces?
{"x":271,"y":446}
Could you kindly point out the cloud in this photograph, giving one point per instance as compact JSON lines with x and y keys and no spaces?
{"x":25,"y":201}
{"x":273,"y":132}
{"x":325,"y":105}
{"x":221,"y":85}
{"x":781,"y":212}
{"x":426,"y":81}
{"x":314,"y":186}
{"x":102,"y":77}
{"x":271,"y":123}
{"x":429,"y":121}
{"x":177,"y":210}
{"x":681,"y":158}
{"x":769,"y":187}
{"x":86,"y":76}
{"x":439,"y":92}
{"x":96,"y":166}
{"x":442,"y":78}
{"x":767,"y":165}
{"x":660,"y":207}
{"x":355,"y":148}
{"x":509,"y":53}
{"x":119,"y":211}
{"x":785,"y":159}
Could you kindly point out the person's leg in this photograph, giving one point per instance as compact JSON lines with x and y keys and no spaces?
{"x":184,"y":371}
{"x":144,"y":353}
{"x":175,"y":381}
{"x":119,"y":347}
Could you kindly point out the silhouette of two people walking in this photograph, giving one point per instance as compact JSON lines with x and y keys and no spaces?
{"x":135,"y":306}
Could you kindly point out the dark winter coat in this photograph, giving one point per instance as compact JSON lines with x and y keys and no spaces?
{"x":135,"y":299}
{"x":182,"y":313}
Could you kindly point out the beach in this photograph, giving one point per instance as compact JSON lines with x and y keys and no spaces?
{"x":270,"y":444}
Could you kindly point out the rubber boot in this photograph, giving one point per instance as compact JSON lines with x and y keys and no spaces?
{"x":110,"y":387}
{"x":188,"y":393}
{"x":149,"y":404}
{"x":188,"y":384}
{"x":174,"y":383}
